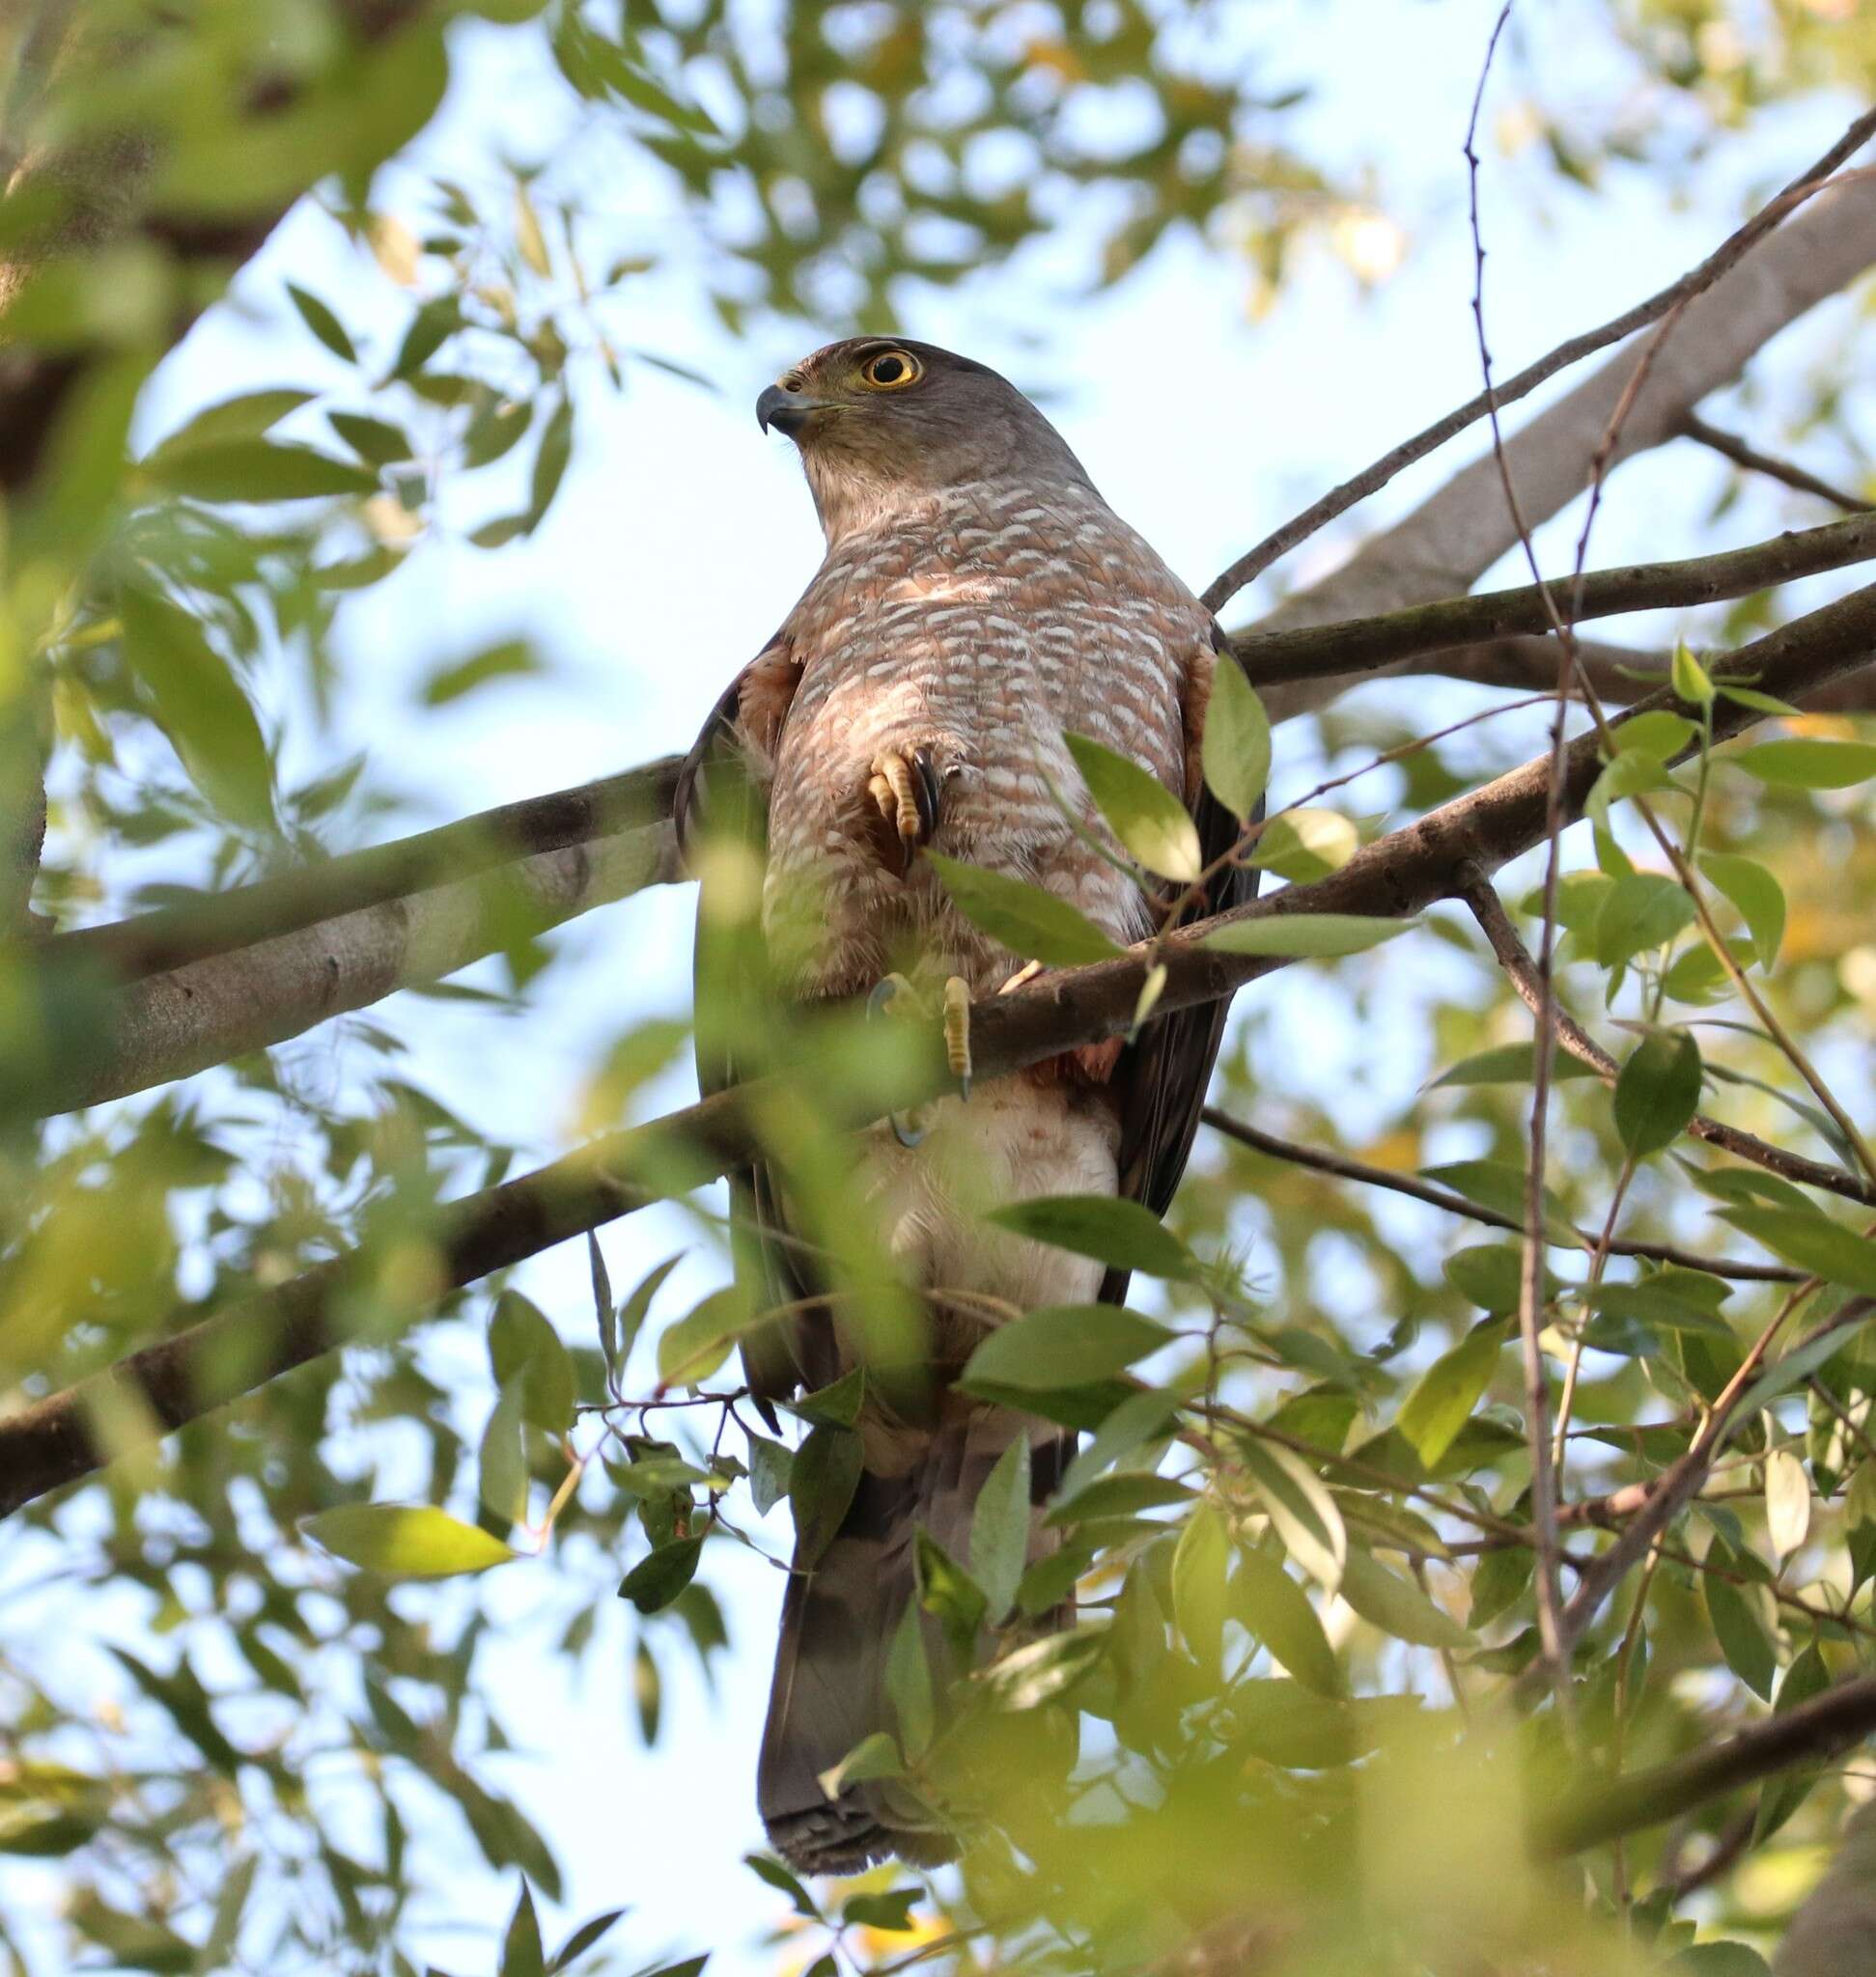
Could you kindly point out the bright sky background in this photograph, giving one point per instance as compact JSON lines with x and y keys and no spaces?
{"x":678,"y":543}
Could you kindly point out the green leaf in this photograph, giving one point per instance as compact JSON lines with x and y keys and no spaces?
{"x":691,"y":1351}
{"x":784,"y":1882}
{"x":1657,"y":1092}
{"x":1510,"y":1064}
{"x":1236,"y":747}
{"x":1688,"y":678}
{"x":1657,"y":1300}
{"x":1064,"y":1345}
{"x":1633,"y":772}
{"x":404,"y":1541}
{"x":1781,"y":1796}
{"x":1658,"y":733}
{"x":1491,"y":1275}
{"x":1642,"y":911}
{"x":1397,"y":1606}
{"x":1201,"y":1600}
{"x":838,"y":1405}
{"x":769,"y":1463}
{"x":1736,"y":1627}
{"x":889,"y":1911}
{"x":243,"y":417}
{"x":1299,"y":1507}
{"x":945,"y":1588}
{"x":582,"y":1940}
{"x":376,"y":440}
{"x":1804,"y":764}
{"x":256,"y":470}
{"x":1124,"y":1234}
{"x":522,"y":1955}
{"x":999,"y":1529}
{"x":321,"y":321}
{"x":512,"y":659}
{"x":200,"y":704}
{"x":1449,"y":1390}
{"x":1271,"y":1605}
{"x":661,"y":1575}
{"x":1305,"y":844}
{"x":1758,"y":896}
{"x":1497,"y":1185}
{"x":1812,"y":1241}
{"x":874,"y":1757}
{"x":821,"y":1486}
{"x":501,"y":1463}
{"x":1315,"y":936}
{"x":1033,"y":924}
{"x":1140,"y":811}
{"x":1122,"y":1496}
{"x":1787,"y":1502}
{"x":1749,"y":696}
{"x":908,"y":1683}
{"x":524,"y":1345}
{"x":1719,"y":1959}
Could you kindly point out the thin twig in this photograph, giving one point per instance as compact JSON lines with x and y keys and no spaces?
{"x":1696,"y":282}
{"x":1744,"y":455}
{"x":1455,"y":1203}
{"x":1481,"y":897}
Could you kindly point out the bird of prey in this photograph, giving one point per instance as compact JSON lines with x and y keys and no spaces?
{"x":977,"y":601}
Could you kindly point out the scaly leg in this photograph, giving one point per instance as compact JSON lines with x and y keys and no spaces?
{"x":906,"y":789}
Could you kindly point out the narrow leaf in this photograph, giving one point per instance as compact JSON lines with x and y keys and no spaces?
{"x":1140,"y":811}
{"x":404,"y":1541}
{"x":1033,"y":924}
{"x":1236,"y":747}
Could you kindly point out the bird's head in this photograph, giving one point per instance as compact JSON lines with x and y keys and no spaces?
{"x":882,"y":422}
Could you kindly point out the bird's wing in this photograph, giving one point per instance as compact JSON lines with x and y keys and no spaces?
{"x":1160,"y":1079}
{"x":722,"y":791}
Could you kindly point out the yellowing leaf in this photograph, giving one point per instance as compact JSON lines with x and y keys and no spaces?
{"x":404,"y":1541}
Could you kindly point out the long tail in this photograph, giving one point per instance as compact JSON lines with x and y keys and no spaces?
{"x":838,"y":1621}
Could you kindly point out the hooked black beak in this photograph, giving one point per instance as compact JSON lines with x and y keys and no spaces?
{"x":787,"y":411}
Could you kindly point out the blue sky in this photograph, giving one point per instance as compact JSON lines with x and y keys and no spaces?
{"x":682,"y":534}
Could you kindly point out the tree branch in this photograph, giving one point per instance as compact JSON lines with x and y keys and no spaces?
{"x":217,"y":923}
{"x":1812,"y":1733}
{"x":239,"y":1350}
{"x":1742,"y":454}
{"x":1709,"y":275}
{"x":171,"y":1025}
{"x":1456,"y":1203}
{"x":1494,"y":923}
{"x":1354,"y":645}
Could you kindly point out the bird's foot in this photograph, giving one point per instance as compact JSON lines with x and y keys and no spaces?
{"x":906,"y":788}
{"x":957,"y":1031}
{"x":1021,"y":978}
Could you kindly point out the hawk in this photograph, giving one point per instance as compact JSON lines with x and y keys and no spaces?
{"x":978,"y":598}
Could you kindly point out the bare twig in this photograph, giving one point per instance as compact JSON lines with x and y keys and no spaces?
{"x":1744,"y":455}
{"x":1454,"y":1204}
{"x":1696,"y":281}
{"x":1488,"y":909}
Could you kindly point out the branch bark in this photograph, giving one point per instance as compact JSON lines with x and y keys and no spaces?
{"x":1352,"y":645}
{"x":1812,"y":1733}
{"x":174,"y":1024}
{"x":218,"y":923}
{"x":1447,"y":543}
{"x":1742,"y":454}
{"x":236,"y":1351}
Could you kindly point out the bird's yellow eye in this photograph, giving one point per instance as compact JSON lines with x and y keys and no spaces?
{"x":891,"y":370}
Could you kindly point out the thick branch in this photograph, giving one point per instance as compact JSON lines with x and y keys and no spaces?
{"x":50,"y":1444}
{"x":1354,"y":645}
{"x":1812,"y":1733}
{"x":172,"y":1025}
{"x":217,"y":923}
{"x":1454,"y":1203}
{"x":1521,"y":970}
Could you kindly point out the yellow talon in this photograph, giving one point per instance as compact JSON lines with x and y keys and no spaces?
{"x":901,"y":811}
{"x":957,"y":1030}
